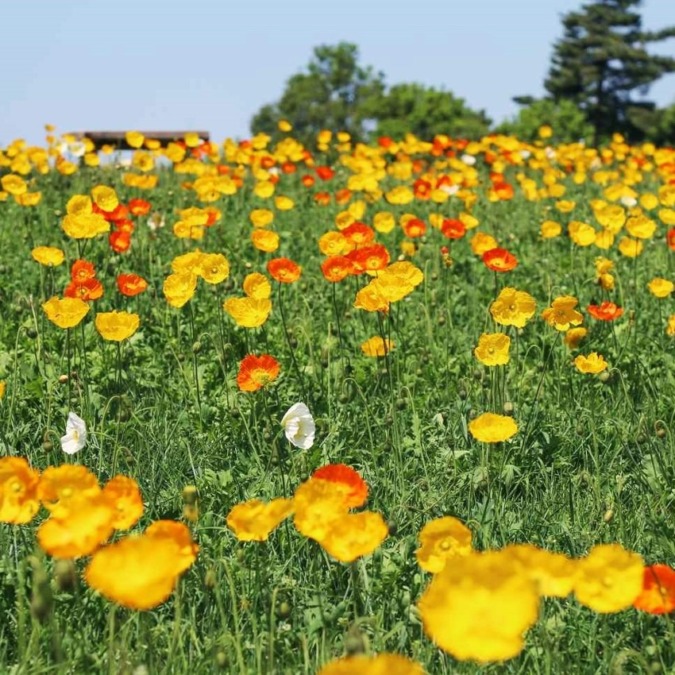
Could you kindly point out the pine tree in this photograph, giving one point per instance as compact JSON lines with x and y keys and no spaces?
{"x":601,"y":60}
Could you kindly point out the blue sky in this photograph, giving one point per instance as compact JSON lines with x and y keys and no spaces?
{"x":210,"y":64}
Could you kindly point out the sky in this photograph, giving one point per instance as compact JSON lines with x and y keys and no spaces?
{"x":154,"y":65}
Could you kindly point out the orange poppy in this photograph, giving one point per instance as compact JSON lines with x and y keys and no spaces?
{"x":87,"y":290}
{"x":335,"y":268}
{"x":359,"y":233}
{"x":658,"y":590}
{"x":324,"y":172}
{"x":126,"y":226}
{"x":284,"y":270}
{"x":131,"y":284}
{"x":415,"y":227}
{"x":139,"y":207}
{"x":82,"y":270}
{"x":343,"y":196}
{"x":670,"y":238}
{"x":308,"y":181}
{"x":120,"y":212}
{"x":606,"y":311}
{"x":452,"y":228}
{"x":499,"y":260}
{"x":255,"y":372}
{"x":322,"y":198}
{"x":288,"y":167}
{"x":422,"y":189}
{"x":346,"y":476}
{"x":119,"y":241}
{"x":369,"y":258}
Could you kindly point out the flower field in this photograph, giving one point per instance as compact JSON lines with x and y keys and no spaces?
{"x":395,"y":408}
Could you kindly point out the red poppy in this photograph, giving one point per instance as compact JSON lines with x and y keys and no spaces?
{"x":284,"y":270}
{"x":255,"y":372}
{"x":119,"y":241}
{"x":139,"y":207}
{"x":89,"y":289}
{"x":120,"y":212}
{"x":131,"y":284}
{"x":335,"y":268}
{"x":670,"y":238}
{"x":369,"y":258}
{"x":658,"y":590}
{"x":308,"y":181}
{"x":359,"y":233}
{"x":385,"y":142}
{"x":606,"y":311}
{"x":213,"y":216}
{"x":324,"y":172}
{"x":453,"y":228}
{"x":81,"y":271}
{"x":500,"y":260}
{"x":345,"y":475}
{"x":422,"y":189}
{"x":289,"y":167}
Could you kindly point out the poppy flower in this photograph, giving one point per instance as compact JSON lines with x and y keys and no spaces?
{"x":562,"y":314}
{"x":591,"y":364}
{"x":116,"y":326}
{"x":248,"y":312}
{"x":324,"y":172}
{"x":299,"y":427}
{"x":606,"y":311}
{"x":414,"y":227}
{"x":257,"y":286}
{"x":261,"y":217}
{"x":139,"y":207}
{"x":381,"y":664}
{"x":88,"y":290}
{"x":77,"y":528}
{"x":85,"y":226}
{"x":124,"y":495}
{"x":358,"y":233}
{"x":670,"y":238}
{"x":481,"y":243}
{"x":65,"y":312}
{"x":453,"y":228}
{"x":658,"y":590}
{"x":499,"y":260}
{"x":661,"y":288}
{"x":317,"y":504}
{"x":335,"y":268}
{"x":369,"y":258}
{"x":131,"y":284}
{"x":141,"y":571}
{"x":49,"y":256}
{"x":266,"y":241}
{"x":256,"y":372}
{"x":82,"y":270}
{"x":356,"y":489}
{"x":492,"y":428}
{"x":377,"y":347}
{"x":76,"y":434}
{"x":335,"y":243}
{"x":441,"y":540}
{"x":493,"y":349}
{"x":254,"y":520}
{"x":120,"y":242}
{"x":105,"y":198}
{"x":354,"y":535}
{"x":179,"y":288}
{"x":479,"y":607}
{"x":283,"y":270}
{"x":574,"y":336}
{"x":59,"y":484}
{"x":554,"y":573}
{"x":609,"y":579}
{"x":214,"y":268}
{"x":513,"y":307}
{"x":18,"y":491}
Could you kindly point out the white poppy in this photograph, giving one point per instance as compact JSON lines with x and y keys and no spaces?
{"x":299,"y":426}
{"x":76,"y":435}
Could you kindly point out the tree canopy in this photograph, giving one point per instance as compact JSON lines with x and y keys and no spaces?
{"x":601,"y":60}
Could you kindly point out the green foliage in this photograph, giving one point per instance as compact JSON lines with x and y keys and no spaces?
{"x":333,"y":93}
{"x":426,"y":112}
{"x":567,"y":120}
{"x":601,"y":60}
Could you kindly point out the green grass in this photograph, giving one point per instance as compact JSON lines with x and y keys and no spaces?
{"x":593,"y":461}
